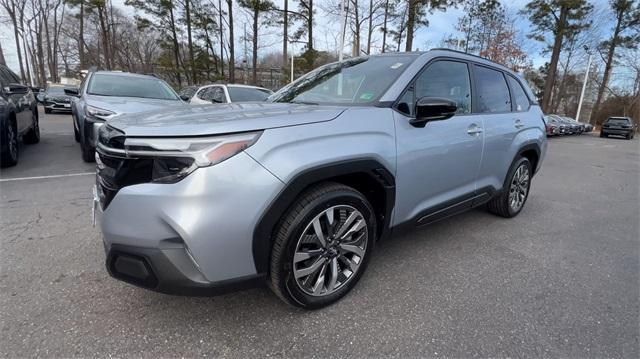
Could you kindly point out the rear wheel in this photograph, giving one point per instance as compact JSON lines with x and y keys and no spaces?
{"x":602,"y":135}
{"x":46,"y":110}
{"x":515,"y":190}
{"x":88,"y":152}
{"x":9,"y":155}
{"x":322,"y":246}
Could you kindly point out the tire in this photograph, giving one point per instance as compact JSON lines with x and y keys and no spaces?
{"x":46,"y":110}
{"x":88,"y":152}
{"x":295,"y":238}
{"x":602,"y":135}
{"x":628,"y":136}
{"x":9,"y":156}
{"x":33,"y":136}
{"x":76,"y":134}
{"x":516,"y":184}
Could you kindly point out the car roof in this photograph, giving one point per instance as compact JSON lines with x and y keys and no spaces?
{"x":125,"y":74}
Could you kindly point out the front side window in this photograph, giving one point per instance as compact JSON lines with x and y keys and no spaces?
{"x":444,"y":79}
{"x":520,"y":97}
{"x":361,"y":80}
{"x":218,"y":95}
{"x":206,"y":94}
{"x":493,"y":93}
{"x":130,"y":86}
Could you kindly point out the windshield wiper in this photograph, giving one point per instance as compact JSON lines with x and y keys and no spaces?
{"x":304,"y":102}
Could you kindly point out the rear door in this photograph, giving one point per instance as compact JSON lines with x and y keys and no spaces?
{"x":437,"y":165}
{"x":21,"y":101}
{"x":504,"y":107}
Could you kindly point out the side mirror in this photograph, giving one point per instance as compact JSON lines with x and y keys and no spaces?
{"x":72,"y":92}
{"x":185,"y":98}
{"x":433,"y":109}
{"x":16,"y":89}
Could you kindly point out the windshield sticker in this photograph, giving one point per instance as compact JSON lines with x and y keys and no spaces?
{"x":397,"y":65}
{"x":366,"y":96}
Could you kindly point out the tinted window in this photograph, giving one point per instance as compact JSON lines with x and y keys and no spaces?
{"x":447,"y":79}
{"x":361,"y":80}
{"x":218,"y":95}
{"x":493,"y":93}
{"x":618,"y":121}
{"x":129,"y":86}
{"x":205,"y":94}
{"x":56,"y":90}
{"x":244,"y":94}
{"x":522,"y":101}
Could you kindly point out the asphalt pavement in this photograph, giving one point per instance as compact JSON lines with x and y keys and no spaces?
{"x":560,"y":280}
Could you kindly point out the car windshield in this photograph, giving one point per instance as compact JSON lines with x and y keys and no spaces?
{"x":245,"y":94}
{"x":617,"y":121}
{"x":130,"y":86}
{"x":360,"y":80}
{"x":57,"y":90}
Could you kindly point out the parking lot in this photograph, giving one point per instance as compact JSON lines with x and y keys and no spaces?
{"x":560,"y":280}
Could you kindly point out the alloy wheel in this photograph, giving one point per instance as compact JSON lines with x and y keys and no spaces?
{"x":519,"y":188}
{"x":330,"y":250}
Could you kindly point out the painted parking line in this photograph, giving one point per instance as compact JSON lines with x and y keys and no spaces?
{"x":47,"y":177}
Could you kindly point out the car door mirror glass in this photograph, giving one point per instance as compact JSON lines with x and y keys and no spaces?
{"x":185,"y":98}
{"x":14,"y":89}
{"x":433,"y":109}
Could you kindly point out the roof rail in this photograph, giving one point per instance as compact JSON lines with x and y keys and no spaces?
{"x":460,"y":52}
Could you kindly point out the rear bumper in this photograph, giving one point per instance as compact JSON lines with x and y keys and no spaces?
{"x":169,"y":271}
{"x":623,"y":132}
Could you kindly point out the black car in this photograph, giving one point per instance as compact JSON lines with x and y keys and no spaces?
{"x":620,"y":126}
{"x":55,"y":99}
{"x":18,"y":116}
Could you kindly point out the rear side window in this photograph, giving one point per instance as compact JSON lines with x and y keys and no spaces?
{"x":492,"y":91}
{"x":245,"y":94}
{"x":206,"y":94}
{"x":519,"y":96}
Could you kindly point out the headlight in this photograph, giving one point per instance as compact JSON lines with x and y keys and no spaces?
{"x":175,"y":158}
{"x":99,"y":113}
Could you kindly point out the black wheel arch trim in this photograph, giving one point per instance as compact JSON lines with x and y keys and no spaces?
{"x":528,"y":147}
{"x":264,"y":230}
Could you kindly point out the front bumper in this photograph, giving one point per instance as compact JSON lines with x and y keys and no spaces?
{"x":192,"y":237}
{"x":620,"y":131}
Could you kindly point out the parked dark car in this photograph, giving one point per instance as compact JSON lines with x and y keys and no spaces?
{"x":552,"y":127}
{"x":562,"y":127}
{"x":105,"y":94}
{"x":619,"y":126}
{"x":55,"y":99}
{"x":18,"y":116}
{"x":576,"y":127}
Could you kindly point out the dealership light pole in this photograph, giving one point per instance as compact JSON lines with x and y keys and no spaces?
{"x":584,"y":84}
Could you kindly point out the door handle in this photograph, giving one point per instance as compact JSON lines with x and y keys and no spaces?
{"x":519,"y":124}
{"x":474,"y":130}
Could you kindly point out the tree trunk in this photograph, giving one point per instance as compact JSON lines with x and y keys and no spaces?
{"x":384,"y":27}
{"x":369,"y":29}
{"x":232,"y":60}
{"x":105,"y":37}
{"x":176,"y":49}
{"x":555,"y":55}
{"x":221,"y":38}
{"x":192,"y":61}
{"x":81,"y":37}
{"x":411,"y":19}
{"x":285,"y":34}
{"x":3,"y":62}
{"x":43,"y":74}
{"x":17,"y":37}
{"x":356,"y":34}
{"x":310,"y":28}
{"x":607,"y":70}
{"x":256,"y":15}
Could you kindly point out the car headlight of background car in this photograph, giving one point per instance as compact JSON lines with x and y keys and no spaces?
{"x":98,"y":114}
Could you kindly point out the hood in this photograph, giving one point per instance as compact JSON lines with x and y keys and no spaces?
{"x":123,"y":105}
{"x":222,"y":118}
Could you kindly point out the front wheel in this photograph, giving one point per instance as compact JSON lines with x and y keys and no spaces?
{"x":9,"y":155}
{"x":322,"y":246}
{"x":515,"y":190}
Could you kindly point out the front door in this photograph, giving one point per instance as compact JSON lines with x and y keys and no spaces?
{"x":437,"y":165}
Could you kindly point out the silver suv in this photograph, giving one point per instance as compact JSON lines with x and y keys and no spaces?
{"x":296,"y":191}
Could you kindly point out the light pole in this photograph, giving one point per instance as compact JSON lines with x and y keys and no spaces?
{"x":291,"y":42}
{"x":584,"y":84}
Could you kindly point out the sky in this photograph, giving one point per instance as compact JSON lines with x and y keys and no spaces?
{"x":441,"y":24}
